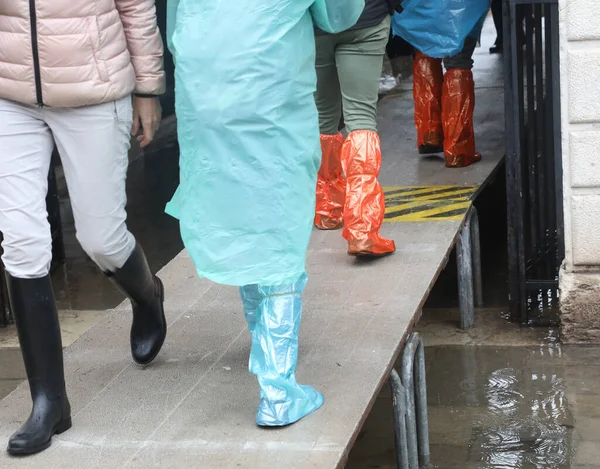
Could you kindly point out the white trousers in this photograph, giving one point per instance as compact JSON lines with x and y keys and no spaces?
{"x":93,"y":143}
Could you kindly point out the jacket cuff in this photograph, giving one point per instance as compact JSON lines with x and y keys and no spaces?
{"x":154,"y":86}
{"x":146,"y":95}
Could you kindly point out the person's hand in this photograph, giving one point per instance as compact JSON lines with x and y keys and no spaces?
{"x":147,"y":114}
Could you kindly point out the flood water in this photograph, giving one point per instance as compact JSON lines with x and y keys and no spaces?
{"x":500,"y":408}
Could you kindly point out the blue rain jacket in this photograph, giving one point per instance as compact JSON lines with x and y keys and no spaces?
{"x":248,"y":132}
{"x":438,"y":28}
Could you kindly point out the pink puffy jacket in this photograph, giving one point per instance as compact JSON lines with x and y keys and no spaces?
{"x":70,"y":53}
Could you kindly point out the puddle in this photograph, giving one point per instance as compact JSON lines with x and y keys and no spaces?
{"x":516,"y":398}
{"x":500,"y":408}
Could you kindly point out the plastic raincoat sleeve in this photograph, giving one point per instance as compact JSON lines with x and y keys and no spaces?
{"x":438,"y":28}
{"x":334,"y":16}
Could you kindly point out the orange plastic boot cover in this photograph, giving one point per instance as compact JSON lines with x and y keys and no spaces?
{"x":427,"y":93}
{"x":365,"y":204}
{"x":458,"y":106}
{"x":331,"y":185}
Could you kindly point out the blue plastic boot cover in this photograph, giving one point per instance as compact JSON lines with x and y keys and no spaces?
{"x":274,"y":353}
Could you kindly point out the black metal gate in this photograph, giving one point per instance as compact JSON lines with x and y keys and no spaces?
{"x":534,"y":159}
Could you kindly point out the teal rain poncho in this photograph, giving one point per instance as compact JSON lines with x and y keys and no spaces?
{"x":248,"y":132}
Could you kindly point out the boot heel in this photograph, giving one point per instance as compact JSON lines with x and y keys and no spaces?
{"x":63,"y":426}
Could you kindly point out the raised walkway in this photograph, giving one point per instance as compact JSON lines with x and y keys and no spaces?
{"x":194,"y":407}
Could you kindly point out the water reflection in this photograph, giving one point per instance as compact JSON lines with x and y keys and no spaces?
{"x":525,"y":421}
{"x":516,"y":399}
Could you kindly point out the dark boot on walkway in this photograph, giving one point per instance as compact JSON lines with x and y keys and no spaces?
{"x":331,"y":185}
{"x":402,"y":67}
{"x":458,"y":106}
{"x":498,"y":47}
{"x":35,"y":314}
{"x":146,"y":292}
{"x":365,"y":202}
{"x":427,"y":92}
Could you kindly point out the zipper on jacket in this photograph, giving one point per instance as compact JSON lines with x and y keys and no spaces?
{"x":35,"y":52}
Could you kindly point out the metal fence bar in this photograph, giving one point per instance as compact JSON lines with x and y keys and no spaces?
{"x":421,"y":404}
{"x":530,"y":133}
{"x":414,"y":382}
{"x":553,"y":87}
{"x":464,"y":261}
{"x":540,"y":176}
{"x":399,"y":398}
{"x":513,"y":167}
{"x":476,"y":254}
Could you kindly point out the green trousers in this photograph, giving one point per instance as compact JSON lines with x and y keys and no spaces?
{"x":348,"y":71}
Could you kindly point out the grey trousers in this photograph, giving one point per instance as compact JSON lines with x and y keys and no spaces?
{"x":348,"y":70}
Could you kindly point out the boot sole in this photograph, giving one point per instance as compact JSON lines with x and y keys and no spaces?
{"x":61,"y":427}
{"x":320,"y":228}
{"x":162,"y":342}
{"x":370,"y":254}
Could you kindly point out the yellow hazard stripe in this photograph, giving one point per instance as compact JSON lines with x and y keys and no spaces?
{"x":417,"y":190}
{"x":457,"y":195}
{"x":425,"y":191}
{"x":395,"y":207}
{"x":427,"y":203}
{"x":435,"y":213}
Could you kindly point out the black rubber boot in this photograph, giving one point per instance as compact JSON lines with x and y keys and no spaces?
{"x":36,"y":318}
{"x":498,"y":47}
{"x":146,"y":292}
